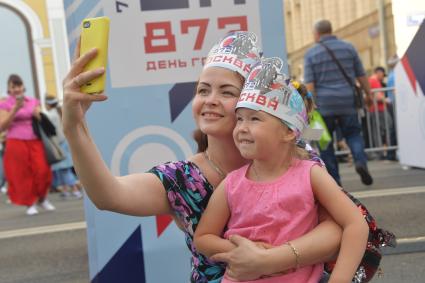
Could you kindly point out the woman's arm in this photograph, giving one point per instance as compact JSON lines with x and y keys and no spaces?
{"x":346,"y":214}
{"x":137,"y":194}
{"x":6,"y":117}
{"x":207,"y":238}
{"x":318,"y":246}
{"x":249,"y":262}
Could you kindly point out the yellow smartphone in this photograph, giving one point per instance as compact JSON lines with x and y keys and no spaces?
{"x":95,"y":33}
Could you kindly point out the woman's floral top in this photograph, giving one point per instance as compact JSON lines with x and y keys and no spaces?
{"x":188,"y":193}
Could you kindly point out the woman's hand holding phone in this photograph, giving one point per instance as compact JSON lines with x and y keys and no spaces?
{"x":95,"y":34}
{"x":87,"y":73}
{"x":19,"y":102}
{"x":76,"y":102}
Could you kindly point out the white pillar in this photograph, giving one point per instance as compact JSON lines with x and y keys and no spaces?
{"x":59,"y":42}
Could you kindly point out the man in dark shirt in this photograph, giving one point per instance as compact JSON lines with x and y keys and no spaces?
{"x":334,"y":95}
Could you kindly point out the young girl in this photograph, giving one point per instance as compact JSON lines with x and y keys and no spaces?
{"x":274,"y":198}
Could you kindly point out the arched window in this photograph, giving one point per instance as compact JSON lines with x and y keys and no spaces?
{"x":16,"y":50}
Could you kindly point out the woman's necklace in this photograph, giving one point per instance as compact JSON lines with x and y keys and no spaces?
{"x":213,"y":165}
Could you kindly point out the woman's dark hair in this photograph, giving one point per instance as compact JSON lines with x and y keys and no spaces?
{"x":15,"y":80}
{"x":201,"y":140}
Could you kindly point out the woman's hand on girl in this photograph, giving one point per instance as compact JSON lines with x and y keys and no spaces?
{"x":244,"y":262}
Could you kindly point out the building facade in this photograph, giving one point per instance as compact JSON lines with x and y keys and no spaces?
{"x":358,"y":22}
{"x":34,"y":45}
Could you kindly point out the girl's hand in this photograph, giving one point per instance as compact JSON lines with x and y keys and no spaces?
{"x":76,"y":103}
{"x":243,"y":262}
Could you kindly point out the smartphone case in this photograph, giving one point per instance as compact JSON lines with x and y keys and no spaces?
{"x":95,"y":33}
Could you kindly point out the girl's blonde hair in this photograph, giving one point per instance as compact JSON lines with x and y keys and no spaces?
{"x":298,"y":152}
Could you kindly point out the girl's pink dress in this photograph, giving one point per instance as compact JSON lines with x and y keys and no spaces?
{"x":274,"y":212}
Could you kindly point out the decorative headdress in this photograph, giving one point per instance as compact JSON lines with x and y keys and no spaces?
{"x":237,"y":51}
{"x":267,"y":89}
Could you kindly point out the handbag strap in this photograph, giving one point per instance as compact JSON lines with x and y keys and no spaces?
{"x":341,"y":69}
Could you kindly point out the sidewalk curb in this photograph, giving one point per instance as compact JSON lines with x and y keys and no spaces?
{"x":42,"y":230}
{"x":406,"y":245}
{"x":389,"y":192}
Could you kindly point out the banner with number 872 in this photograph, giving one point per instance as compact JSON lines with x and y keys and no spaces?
{"x":168,"y":40}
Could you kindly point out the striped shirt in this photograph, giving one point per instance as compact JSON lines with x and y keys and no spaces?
{"x":334,"y":95}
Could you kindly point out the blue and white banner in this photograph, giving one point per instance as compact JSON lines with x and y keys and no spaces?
{"x":156,"y":52}
{"x":410,"y":102}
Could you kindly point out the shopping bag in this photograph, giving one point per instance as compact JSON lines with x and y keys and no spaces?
{"x":45,"y":130}
{"x":52,"y":148}
{"x":317,"y":122}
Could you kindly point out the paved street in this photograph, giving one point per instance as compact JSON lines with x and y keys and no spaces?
{"x":51,"y":247}
{"x":402,"y":268}
{"x":45,"y":258}
{"x":45,"y":248}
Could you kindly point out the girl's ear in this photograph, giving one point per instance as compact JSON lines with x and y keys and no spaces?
{"x":288,"y":135}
